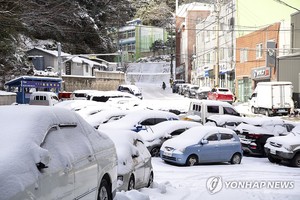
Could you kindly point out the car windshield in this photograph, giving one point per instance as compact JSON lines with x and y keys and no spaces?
{"x":223,"y":90}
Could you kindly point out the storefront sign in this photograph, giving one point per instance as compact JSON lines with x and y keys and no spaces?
{"x":261,"y":73}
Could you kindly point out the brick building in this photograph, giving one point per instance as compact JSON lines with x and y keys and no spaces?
{"x":256,"y":59}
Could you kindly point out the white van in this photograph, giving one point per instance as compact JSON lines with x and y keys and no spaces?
{"x":43,"y":98}
{"x":199,"y":110}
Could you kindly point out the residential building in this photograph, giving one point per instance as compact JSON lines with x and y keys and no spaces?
{"x":47,"y":60}
{"x":187,"y":16}
{"x":135,"y":40}
{"x":214,"y":63}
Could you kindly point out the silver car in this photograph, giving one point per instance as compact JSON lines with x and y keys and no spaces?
{"x":52,"y":153}
{"x":134,"y":161}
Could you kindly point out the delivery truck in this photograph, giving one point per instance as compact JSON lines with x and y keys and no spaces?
{"x":272,"y":98}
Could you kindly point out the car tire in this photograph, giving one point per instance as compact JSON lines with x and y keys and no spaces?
{"x":267,"y":113}
{"x":131,"y":183}
{"x":273,"y":160}
{"x":151,"y":178}
{"x":236,"y":159}
{"x":295,"y":162}
{"x":155,"y":152}
{"x":104,"y":191}
{"x":191,"y":160}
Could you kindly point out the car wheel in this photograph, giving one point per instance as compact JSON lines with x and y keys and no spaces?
{"x":296,"y":160}
{"x":104,"y":191}
{"x":191,"y":160}
{"x":236,"y":159}
{"x":155,"y":152}
{"x":267,"y":113}
{"x":151,"y":177}
{"x":131,"y":183}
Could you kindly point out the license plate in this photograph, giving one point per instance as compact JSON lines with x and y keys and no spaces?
{"x":168,"y":153}
{"x":272,"y":151}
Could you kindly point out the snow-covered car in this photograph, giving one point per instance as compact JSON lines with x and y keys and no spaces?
{"x":76,"y":105}
{"x":284,"y":148}
{"x":191,"y":91}
{"x":134,"y":161}
{"x":132,"y":89}
{"x":52,"y":153}
{"x":106,"y":116}
{"x":203,"y":144}
{"x":156,"y":135}
{"x":104,"y":96}
{"x":254,"y":132}
{"x":139,"y":119}
{"x":226,"y":121}
{"x":202,"y":92}
{"x":80,"y":94}
{"x":43,"y":98}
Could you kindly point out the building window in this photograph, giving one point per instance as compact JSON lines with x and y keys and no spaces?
{"x":207,"y":58}
{"x":207,"y":36}
{"x":131,"y":33}
{"x":259,"y":50}
{"x":243,"y":55}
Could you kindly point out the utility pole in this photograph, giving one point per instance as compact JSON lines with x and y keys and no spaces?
{"x":217,"y":11}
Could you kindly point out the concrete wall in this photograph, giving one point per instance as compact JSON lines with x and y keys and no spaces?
{"x":102,"y":81}
{"x":7,"y":99}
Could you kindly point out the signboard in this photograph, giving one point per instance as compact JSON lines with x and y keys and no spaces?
{"x":271,"y":54}
{"x":39,"y":84}
{"x":261,"y":73}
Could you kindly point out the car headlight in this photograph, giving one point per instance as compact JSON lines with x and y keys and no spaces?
{"x":289,"y":148}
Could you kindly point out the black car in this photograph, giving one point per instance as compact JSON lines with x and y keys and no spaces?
{"x":253,"y":136}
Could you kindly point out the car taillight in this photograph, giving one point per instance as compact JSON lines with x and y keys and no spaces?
{"x":254,"y":136}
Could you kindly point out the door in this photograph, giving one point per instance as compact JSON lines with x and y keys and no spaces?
{"x":227,"y":147}
{"x":83,"y":161}
{"x":210,"y":152}
{"x":139,"y":163}
{"x":56,"y":181}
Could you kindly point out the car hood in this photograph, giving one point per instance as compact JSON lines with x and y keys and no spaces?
{"x":288,"y":140}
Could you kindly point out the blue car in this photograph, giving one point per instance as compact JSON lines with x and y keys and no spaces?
{"x":203,"y":144}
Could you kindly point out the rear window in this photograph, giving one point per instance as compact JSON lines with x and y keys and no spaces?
{"x":79,"y":94}
{"x":223,"y":90}
{"x":196,"y":107}
{"x":40,"y":98}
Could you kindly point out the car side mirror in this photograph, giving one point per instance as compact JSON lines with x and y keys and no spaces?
{"x":204,"y":141}
{"x":44,"y":160}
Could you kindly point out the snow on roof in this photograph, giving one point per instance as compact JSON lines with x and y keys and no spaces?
{"x":100,"y":117}
{"x":193,"y":136}
{"x":91,"y":63}
{"x":52,"y":52}
{"x":163,"y":129}
{"x":222,"y":119}
{"x":134,"y":88}
{"x":4,"y":93}
{"x":135,"y":117}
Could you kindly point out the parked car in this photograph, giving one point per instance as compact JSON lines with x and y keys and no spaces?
{"x":139,"y":119}
{"x":175,"y":85}
{"x":285,"y":148}
{"x":132,"y":89}
{"x":200,"y":110}
{"x":52,"y":153}
{"x":191,"y":91}
{"x":254,"y":132}
{"x":155,"y":135}
{"x":226,"y":121}
{"x":105,"y":96}
{"x":183,"y":88}
{"x":80,"y":94}
{"x":202,"y":92}
{"x":134,"y":161}
{"x":221,"y":94}
{"x":105,"y":116}
{"x":205,"y":144}
{"x":43,"y":98}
